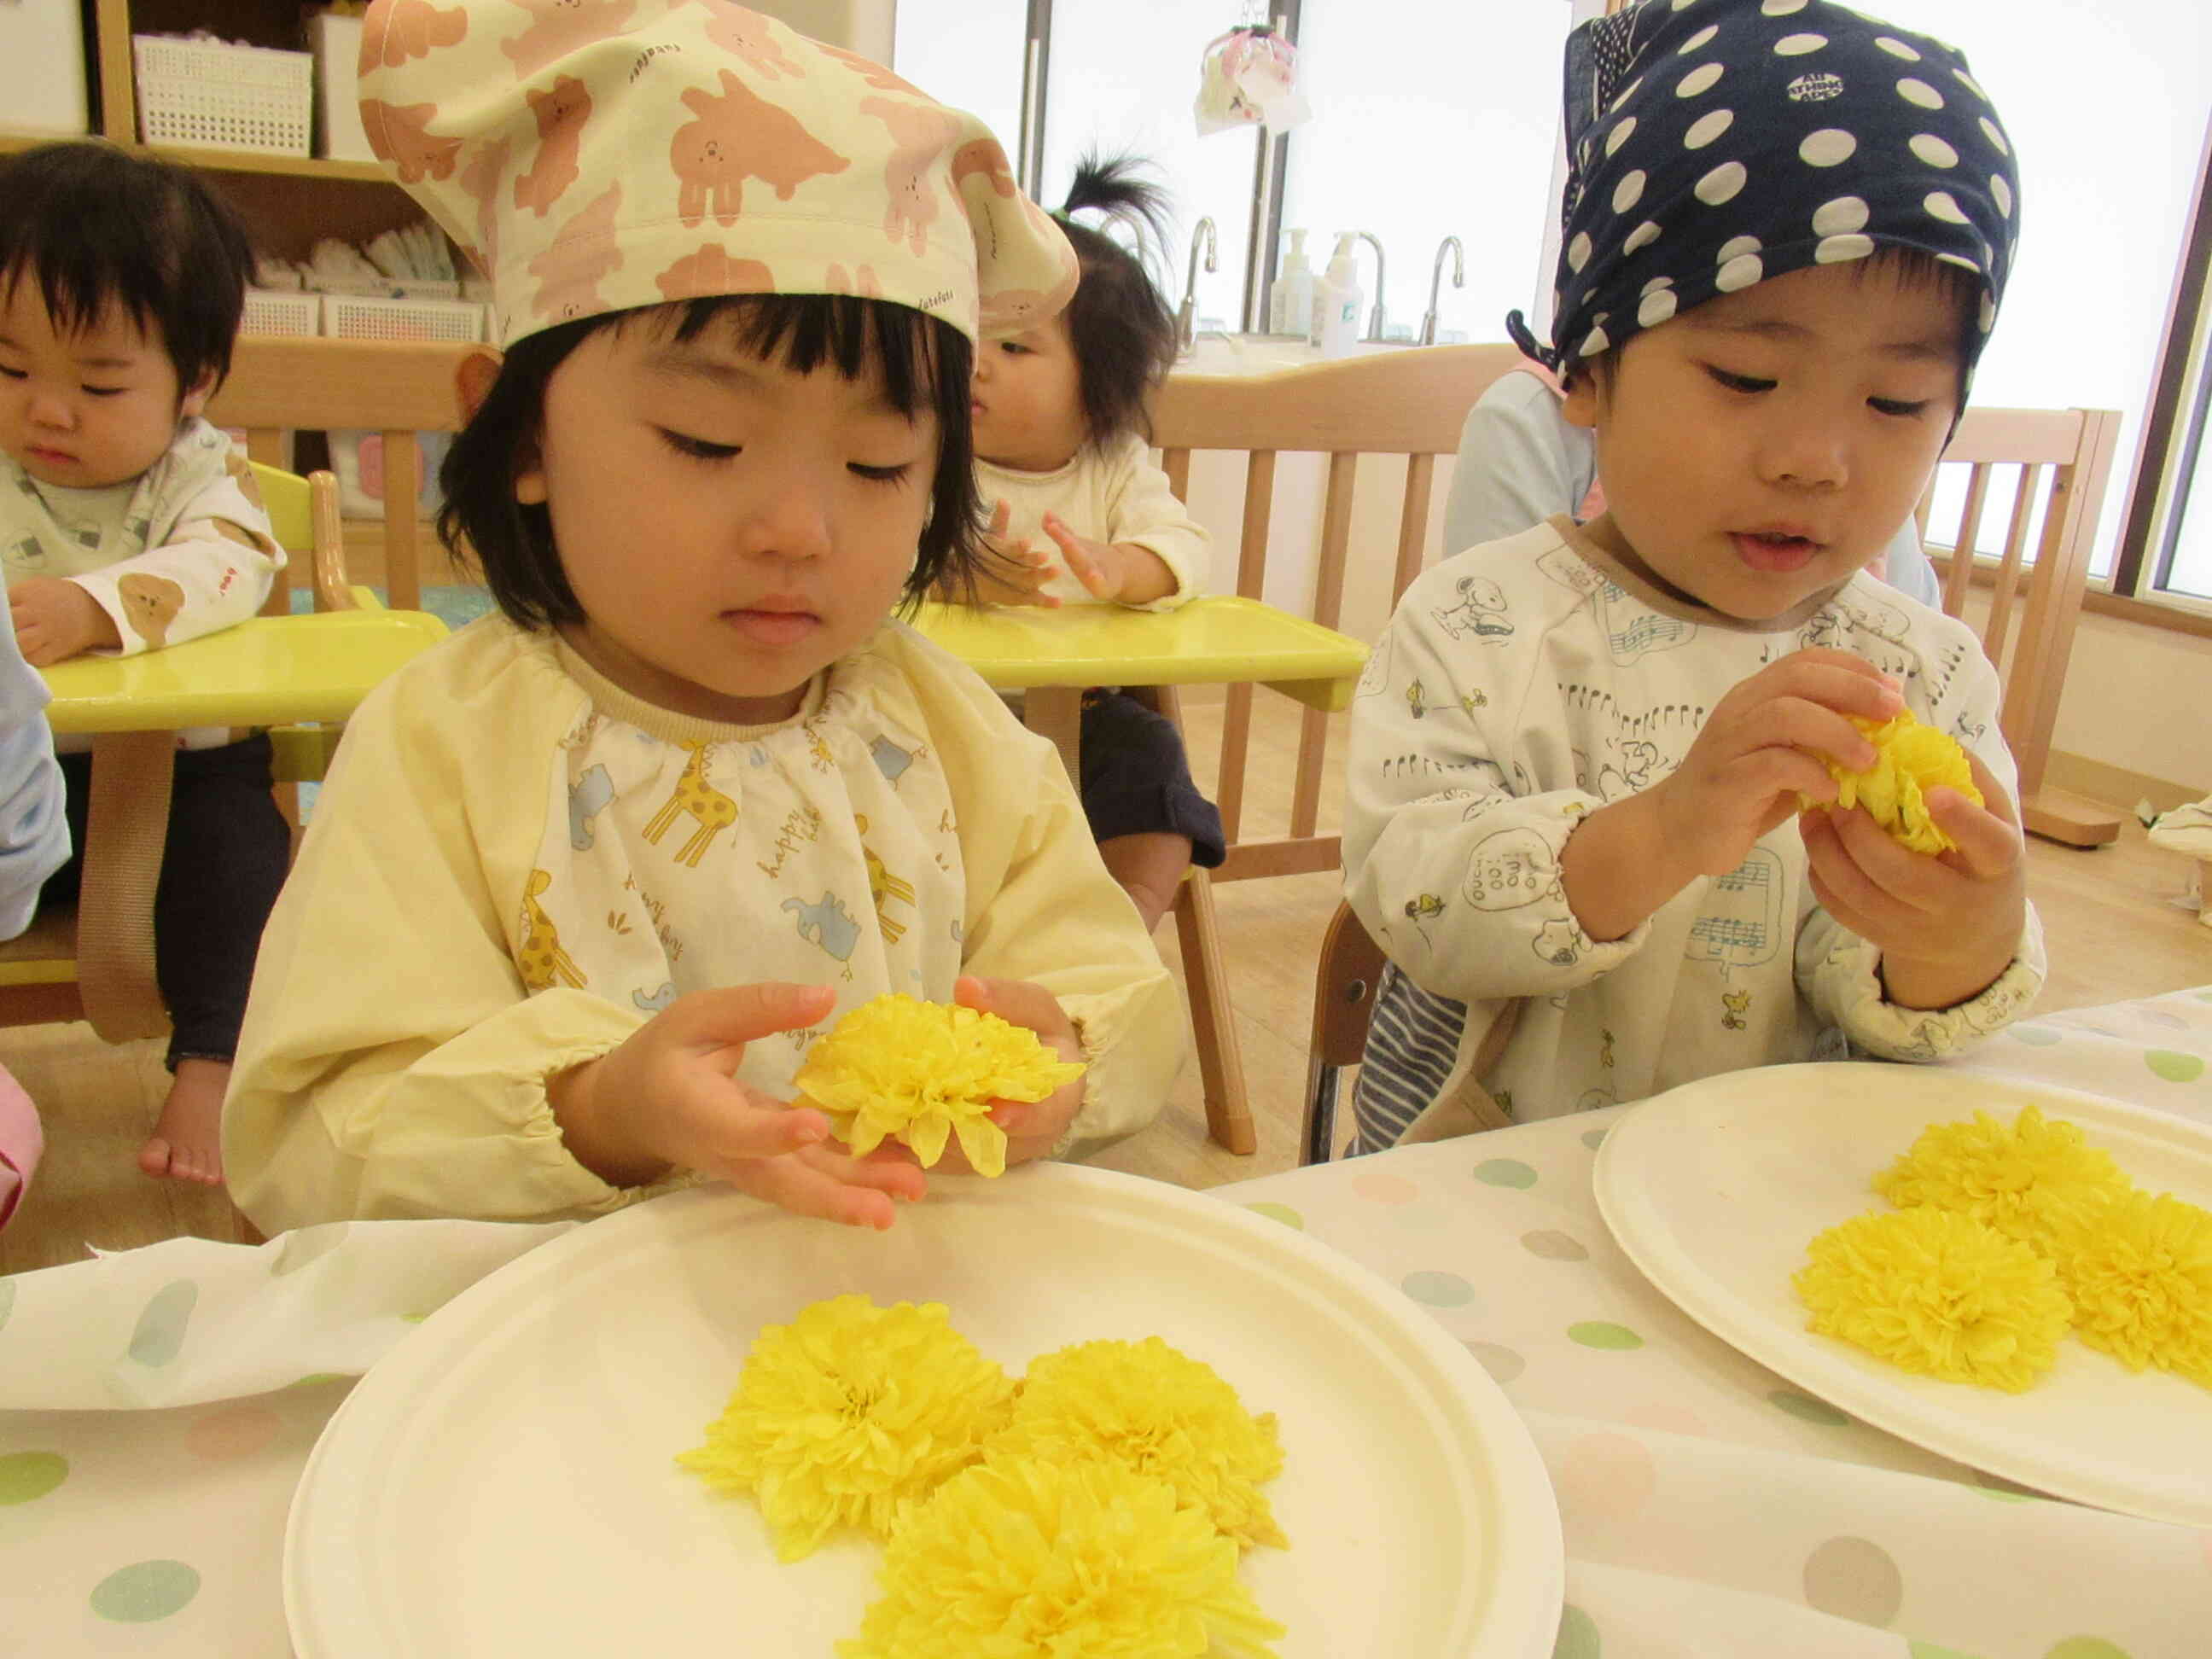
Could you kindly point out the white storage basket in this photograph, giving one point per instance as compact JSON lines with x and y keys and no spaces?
{"x":223,"y":97}
{"x":352,"y":317}
{"x":270,"y":310}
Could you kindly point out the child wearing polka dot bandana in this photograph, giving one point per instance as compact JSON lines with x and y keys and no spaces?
{"x":1578,"y":753}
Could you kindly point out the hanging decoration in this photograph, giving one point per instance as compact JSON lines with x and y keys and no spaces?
{"x":1249,"y":77}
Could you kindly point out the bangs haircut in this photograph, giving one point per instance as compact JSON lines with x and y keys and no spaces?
{"x":98,"y":228}
{"x":923,"y":362}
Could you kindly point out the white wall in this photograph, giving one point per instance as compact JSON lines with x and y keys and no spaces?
{"x":861,"y":26}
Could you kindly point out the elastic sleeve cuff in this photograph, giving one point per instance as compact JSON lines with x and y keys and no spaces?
{"x":1883,"y":1028}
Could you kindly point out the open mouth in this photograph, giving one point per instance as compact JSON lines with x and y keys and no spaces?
{"x":1773,"y":551}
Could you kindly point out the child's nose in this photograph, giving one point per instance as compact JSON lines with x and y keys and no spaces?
{"x":50,"y":409}
{"x":1806,"y":451}
{"x":793,"y":523}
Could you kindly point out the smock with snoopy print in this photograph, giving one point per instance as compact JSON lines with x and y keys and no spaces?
{"x":1525,"y":683}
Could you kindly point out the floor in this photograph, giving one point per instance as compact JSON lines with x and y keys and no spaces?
{"x":2114,"y":927}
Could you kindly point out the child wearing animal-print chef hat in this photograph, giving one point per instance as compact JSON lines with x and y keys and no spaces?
{"x":587,"y":878}
{"x":1578,"y":756}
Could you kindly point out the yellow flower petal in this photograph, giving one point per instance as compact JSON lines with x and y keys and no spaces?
{"x":2027,"y":1179}
{"x":896,"y":1066}
{"x":1159,"y":1413}
{"x":1910,"y":759}
{"x":850,"y":1415}
{"x":2141,"y":1276}
{"x":1088,"y":1560}
{"x":1937,"y":1292}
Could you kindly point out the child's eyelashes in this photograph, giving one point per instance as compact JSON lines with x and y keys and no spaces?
{"x":1738,"y":382}
{"x":1904,"y":409}
{"x":699,"y":449}
{"x":885,"y":475}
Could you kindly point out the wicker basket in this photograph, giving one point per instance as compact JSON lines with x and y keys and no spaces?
{"x":222,"y":97}
{"x":270,"y":310}
{"x":352,"y":317}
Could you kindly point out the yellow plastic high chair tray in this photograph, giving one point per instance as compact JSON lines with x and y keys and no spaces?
{"x":1223,"y":641}
{"x":267,"y":671}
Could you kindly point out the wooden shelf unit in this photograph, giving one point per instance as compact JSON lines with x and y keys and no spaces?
{"x":288,"y":202}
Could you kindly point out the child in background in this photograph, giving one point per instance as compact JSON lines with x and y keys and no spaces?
{"x":587,"y":878}
{"x":1062,"y":456}
{"x":1578,"y":755}
{"x":127,"y":524}
{"x":33,"y":843}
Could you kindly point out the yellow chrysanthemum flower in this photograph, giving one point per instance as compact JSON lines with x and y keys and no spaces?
{"x":2028,"y":1179}
{"x":852,"y":1414}
{"x":2140,"y":1279}
{"x":1155,"y":1410}
{"x":1910,"y":759}
{"x":917,"y":1071}
{"x":1939,"y":1293}
{"x":1088,"y":1560}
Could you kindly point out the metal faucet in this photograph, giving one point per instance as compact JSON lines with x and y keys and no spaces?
{"x":1374,"y":327}
{"x":1435,"y":282}
{"x":1187,"y":318}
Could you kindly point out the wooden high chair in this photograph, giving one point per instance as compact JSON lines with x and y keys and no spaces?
{"x":2063,"y":458}
{"x":95,"y":961}
{"x":1399,"y":402}
{"x":279,"y":386}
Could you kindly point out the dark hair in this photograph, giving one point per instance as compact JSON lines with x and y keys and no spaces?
{"x":1123,"y":336}
{"x":98,"y":226}
{"x":1906,"y":266}
{"x":924,"y":361}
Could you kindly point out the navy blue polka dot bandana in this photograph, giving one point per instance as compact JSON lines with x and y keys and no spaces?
{"x":1714,"y":143}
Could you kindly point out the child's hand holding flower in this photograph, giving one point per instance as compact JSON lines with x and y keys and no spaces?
{"x":1113,"y":573}
{"x":669,"y":1098}
{"x":1948,"y":923}
{"x":944,"y":1129}
{"x":56,"y":619}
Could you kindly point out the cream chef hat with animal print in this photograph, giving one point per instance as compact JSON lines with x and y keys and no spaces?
{"x":598,"y":155}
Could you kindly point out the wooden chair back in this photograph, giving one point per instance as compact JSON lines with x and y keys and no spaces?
{"x":1344,"y":1003}
{"x":280,"y":384}
{"x":1410,"y":402}
{"x":2058,"y":461}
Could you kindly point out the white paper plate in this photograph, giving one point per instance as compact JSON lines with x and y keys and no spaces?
{"x":1714,"y":1189}
{"x":502,"y":1482}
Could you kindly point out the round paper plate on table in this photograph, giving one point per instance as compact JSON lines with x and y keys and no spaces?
{"x":1714,"y":1189}
{"x":504,"y":1481}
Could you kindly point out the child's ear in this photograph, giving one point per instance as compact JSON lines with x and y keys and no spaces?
{"x":472,"y":380}
{"x":196,"y":397}
{"x":1579,"y":406}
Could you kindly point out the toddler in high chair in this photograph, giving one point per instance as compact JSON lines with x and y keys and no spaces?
{"x":127,"y":524}
{"x":587,"y":878}
{"x":1063,"y":462}
{"x":1578,"y":755}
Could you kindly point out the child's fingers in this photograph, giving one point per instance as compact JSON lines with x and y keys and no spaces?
{"x":736,"y":1014}
{"x":1002,"y":514}
{"x":1016,"y":1001}
{"x":804,"y":1188}
{"x":1988,"y":839}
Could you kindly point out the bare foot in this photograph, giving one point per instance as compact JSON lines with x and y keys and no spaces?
{"x":186,"y":1144}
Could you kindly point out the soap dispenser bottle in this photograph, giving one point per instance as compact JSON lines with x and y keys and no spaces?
{"x":1339,"y":301}
{"x":1290,"y":300}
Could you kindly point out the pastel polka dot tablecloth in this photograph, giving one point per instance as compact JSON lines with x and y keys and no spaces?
{"x":1710,"y":1506}
{"x":157,"y":1406}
